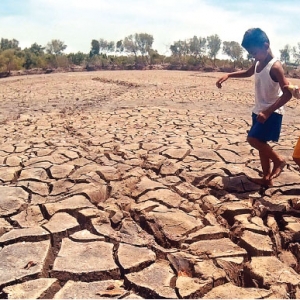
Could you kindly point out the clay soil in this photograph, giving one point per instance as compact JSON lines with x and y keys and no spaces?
{"x":151,"y":170}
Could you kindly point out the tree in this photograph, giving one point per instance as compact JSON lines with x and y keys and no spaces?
{"x":234,"y":50}
{"x":33,"y":56}
{"x":180,"y":49}
{"x":197,"y":47}
{"x":95,"y":48}
{"x":56,"y":47}
{"x":285,"y":54}
{"x":106,"y":47}
{"x":119,"y":46}
{"x":29,"y":59}
{"x":9,"y":44}
{"x":138,"y":43}
{"x":296,"y":53}
{"x":176,"y":49}
{"x":144,"y":42}
{"x":9,"y":61}
{"x":130,"y":45}
{"x":213,"y":46}
{"x":77,"y":58}
{"x":37,"y":49}
{"x":155,"y":57}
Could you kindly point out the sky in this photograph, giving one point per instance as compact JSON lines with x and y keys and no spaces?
{"x":77,"y":22}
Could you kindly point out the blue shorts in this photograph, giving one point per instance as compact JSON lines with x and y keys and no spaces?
{"x":268,"y":131}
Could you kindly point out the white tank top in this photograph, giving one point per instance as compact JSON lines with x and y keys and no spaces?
{"x":267,"y":91}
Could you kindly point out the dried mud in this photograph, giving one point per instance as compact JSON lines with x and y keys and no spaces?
{"x":135,"y":184}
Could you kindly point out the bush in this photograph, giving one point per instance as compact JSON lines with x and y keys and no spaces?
{"x":9,"y":61}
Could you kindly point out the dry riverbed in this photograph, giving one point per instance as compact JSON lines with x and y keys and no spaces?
{"x":134,"y":184}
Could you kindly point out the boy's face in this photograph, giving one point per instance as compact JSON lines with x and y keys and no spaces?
{"x":259,"y":53}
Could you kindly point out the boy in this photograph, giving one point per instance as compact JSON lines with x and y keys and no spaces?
{"x":294,"y":89}
{"x":269,"y":90}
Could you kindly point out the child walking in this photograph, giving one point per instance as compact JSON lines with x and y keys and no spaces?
{"x":270,"y":89}
{"x":294,"y":89}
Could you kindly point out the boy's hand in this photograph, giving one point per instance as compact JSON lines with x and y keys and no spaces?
{"x":294,"y":89}
{"x":262,"y":117}
{"x":221,"y":80}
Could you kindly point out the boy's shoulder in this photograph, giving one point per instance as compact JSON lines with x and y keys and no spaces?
{"x":277,"y":65}
{"x":276,"y":71}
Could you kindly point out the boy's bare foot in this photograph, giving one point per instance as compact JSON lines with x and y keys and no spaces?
{"x":262,"y":181}
{"x":277,"y":169}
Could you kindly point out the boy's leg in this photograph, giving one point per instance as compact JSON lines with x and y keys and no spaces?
{"x":266,"y":168}
{"x":296,"y":154}
{"x":266,"y":153}
{"x":257,"y":137}
{"x":265,"y":165}
{"x":277,"y":168}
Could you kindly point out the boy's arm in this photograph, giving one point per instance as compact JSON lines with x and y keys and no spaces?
{"x":238,"y":74}
{"x":277,"y":75}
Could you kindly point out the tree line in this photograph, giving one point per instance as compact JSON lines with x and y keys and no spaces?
{"x":134,"y":51}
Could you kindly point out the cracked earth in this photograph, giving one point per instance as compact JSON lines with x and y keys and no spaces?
{"x":134,"y":184}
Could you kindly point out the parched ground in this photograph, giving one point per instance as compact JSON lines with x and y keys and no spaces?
{"x":134,"y":184}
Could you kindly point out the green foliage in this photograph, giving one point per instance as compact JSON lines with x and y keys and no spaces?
{"x":123,"y":61}
{"x":102,"y":47}
{"x":56,"y":47}
{"x":37,"y":49}
{"x":51,"y":61}
{"x":62,"y":61}
{"x":296,"y":53}
{"x":100,"y":61}
{"x":144,"y":42}
{"x":197,"y":46}
{"x":95,"y":48}
{"x":119,"y":46}
{"x":192,"y":61}
{"x":133,"y":52}
{"x":6,"y":44}
{"x":9,"y":61}
{"x":285,"y":54}
{"x":234,"y":50}
{"x":77,"y":58}
{"x":30,"y":60}
{"x":33,"y":57}
{"x":130,"y":45}
{"x":106,"y":47}
{"x":139,"y":43}
{"x":180,"y":48}
{"x":155,"y":57}
{"x":213,"y":46}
